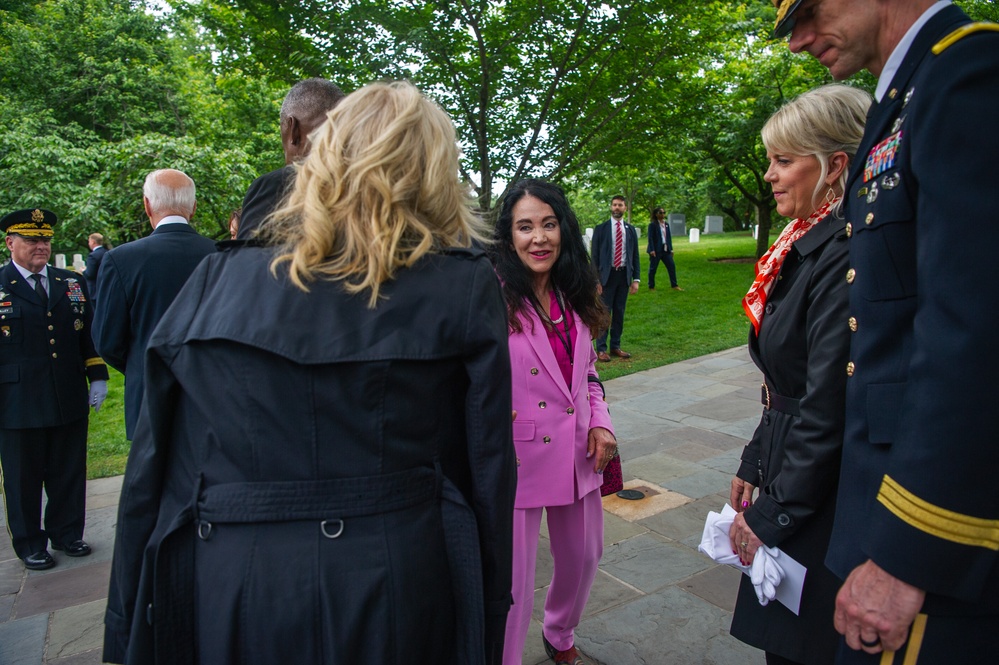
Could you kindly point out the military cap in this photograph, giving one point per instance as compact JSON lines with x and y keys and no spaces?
{"x":29,"y":223}
{"x":785,"y":16}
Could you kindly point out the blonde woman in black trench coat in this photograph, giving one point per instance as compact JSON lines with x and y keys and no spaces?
{"x":800,"y":340}
{"x":323,"y":471}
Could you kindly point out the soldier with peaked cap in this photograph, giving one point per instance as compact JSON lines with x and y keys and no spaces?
{"x":46,"y":360}
{"x":916,"y":532}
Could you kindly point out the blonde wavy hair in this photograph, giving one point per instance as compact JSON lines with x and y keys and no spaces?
{"x":379,"y":190}
{"x":819,"y":122}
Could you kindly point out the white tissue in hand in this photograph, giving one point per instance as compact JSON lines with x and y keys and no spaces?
{"x":766,"y":573}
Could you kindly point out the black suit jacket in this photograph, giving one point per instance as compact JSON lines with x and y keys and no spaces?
{"x":657,"y":243}
{"x":93,"y":268}
{"x":46,"y":352}
{"x":264,"y":194}
{"x":138,"y":282}
{"x":921,"y":451}
{"x":602,"y":251}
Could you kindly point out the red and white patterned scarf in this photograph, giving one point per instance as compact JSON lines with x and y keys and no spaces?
{"x":769,"y":264}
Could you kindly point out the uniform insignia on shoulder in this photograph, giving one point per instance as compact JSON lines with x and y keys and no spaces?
{"x":881,"y":157}
{"x":78,"y":325}
{"x":961,"y":33}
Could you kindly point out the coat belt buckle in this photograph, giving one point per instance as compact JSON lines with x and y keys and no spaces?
{"x":766,"y":396}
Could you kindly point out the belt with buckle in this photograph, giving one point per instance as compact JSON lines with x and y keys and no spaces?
{"x":773,"y":401}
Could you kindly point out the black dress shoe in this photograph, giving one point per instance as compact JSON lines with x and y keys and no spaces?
{"x":39,"y":561}
{"x":75,"y":548}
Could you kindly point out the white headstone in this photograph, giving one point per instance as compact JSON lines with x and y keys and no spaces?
{"x":695,"y":235}
{"x":78,"y":263}
{"x":61,"y":261}
{"x":756,"y":231}
{"x":713,"y":224}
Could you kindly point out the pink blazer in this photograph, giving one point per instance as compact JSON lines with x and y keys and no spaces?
{"x":552,"y":423}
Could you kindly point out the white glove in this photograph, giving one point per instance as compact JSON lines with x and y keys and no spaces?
{"x":98,"y":393}
{"x":766,"y":573}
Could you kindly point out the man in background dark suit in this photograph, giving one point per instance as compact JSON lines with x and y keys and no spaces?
{"x":615,"y":256}
{"x":916,"y":533}
{"x":303,"y":111}
{"x":97,"y":251}
{"x":660,"y":249}
{"x":46,"y":358}
{"x":140,"y":279}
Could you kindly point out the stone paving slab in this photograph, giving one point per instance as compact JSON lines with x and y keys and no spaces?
{"x":63,"y":588}
{"x":650,"y":562}
{"x":665,"y":628}
{"x":22,"y":642}
{"x":77,"y":629}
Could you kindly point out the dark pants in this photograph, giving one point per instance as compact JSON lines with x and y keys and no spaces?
{"x":615,"y":296}
{"x":53,"y":457}
{"x":667,"y":259}
{"x":937,"y":640}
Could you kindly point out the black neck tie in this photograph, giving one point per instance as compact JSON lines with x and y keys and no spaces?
{"x":40,"y":290}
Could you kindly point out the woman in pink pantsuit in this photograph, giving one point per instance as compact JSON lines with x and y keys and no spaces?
{"x":562,"y":432}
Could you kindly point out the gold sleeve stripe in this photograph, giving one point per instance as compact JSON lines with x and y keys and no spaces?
{"x":960,"y":34}
{"x":887,"y":657}
{"x":94,"y":362}
{"x":937,"y":521}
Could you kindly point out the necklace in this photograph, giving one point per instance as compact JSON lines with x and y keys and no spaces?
{"x":566,"y":341}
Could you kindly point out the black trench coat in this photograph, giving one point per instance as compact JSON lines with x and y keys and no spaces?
{"x":313,"y":481}
{"x":802,"y":349}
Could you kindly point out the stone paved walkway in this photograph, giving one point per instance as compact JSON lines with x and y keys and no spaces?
{"x":656,"y":600}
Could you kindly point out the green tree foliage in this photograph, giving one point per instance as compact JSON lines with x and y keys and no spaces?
{"x":537,"y":89}
{"x":94,"y":94}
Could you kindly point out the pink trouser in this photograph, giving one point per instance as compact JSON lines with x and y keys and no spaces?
{"x":577,"y":542}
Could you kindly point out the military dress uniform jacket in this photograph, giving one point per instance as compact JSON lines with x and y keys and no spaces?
{"x":46,"y":353}
{"x":315,"y":481}
{"x":794,"y":455}
{"x":921,"y":449}
{"x":138,"y":282}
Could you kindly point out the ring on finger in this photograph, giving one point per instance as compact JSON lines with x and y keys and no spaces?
{"x":872,"y":643}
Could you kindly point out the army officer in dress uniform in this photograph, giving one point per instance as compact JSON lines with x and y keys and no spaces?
{"x":46,"y":360}
{"x":916,"y":532}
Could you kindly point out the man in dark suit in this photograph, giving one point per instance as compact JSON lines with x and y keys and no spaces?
{"x":140,"y":279}
{"x":303,"y":111}
{"x":97,"y":251}
{"x":615,"y":256}
{"x":916,"y":533}
{"x":660,"y":249}
{"x":46,"y":360}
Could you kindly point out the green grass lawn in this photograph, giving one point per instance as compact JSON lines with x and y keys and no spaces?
{"x":665,"y":326}
{"x":660,"y":327}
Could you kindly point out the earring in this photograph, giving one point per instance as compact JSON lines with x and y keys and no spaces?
{"x":830,"y":195}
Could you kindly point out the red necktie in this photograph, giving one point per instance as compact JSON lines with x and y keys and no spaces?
{"x":618,"y":245}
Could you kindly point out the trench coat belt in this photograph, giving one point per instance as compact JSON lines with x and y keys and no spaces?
{"x":341,"y":498}
{"x":282,"y":501}
{"x":775,"y":402}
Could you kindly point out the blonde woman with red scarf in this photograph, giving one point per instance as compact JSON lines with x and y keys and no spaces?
{"x":800,"y":340}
